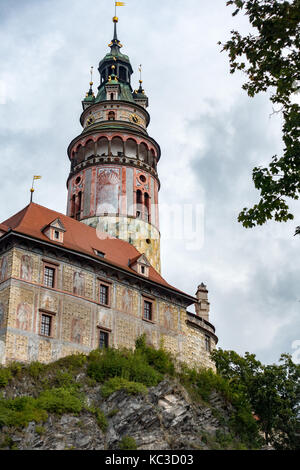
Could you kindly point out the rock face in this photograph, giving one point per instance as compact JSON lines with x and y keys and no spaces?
{"x":164,"y":419}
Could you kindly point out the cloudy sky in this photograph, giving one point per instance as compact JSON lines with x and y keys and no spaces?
{"x":211,"y":135}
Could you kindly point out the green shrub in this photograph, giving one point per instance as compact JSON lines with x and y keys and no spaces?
{"x":35,"y":369}
{"x":160,"y":359}
{"x":15,"y":368}
{"x":40,"y":430}
{"x":71,"y":363}
{"x":128,"y":443}
{"x":118,"y":383}
{"x":129,"y":365}
{"x":64,"y":379}
{"x":101,"y":420}
{"x":113,"y":413}
{"x":20,"y":412}
{"x":5,"y":377}
{"x":60,"y":401}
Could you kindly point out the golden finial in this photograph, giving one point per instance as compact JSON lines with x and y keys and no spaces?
{"x":115,"y":19}
{"x":140,"y":70}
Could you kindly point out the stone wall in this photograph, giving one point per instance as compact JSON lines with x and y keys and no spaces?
{"x":77,"y":315}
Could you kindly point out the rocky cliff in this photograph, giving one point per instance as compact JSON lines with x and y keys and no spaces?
{"x":62,"y":406}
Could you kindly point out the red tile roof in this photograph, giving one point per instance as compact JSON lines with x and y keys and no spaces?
{"x":78,"y":237}
{"x":3,"y":227}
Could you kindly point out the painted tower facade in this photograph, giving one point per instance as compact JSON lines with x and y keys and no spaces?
{"x":113,"y":184}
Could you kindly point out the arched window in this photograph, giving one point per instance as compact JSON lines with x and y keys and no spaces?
{"x":112,"y":96}
{"x":89,"y":149}
{"x":122,"y":73}
{"x":153,"y":158}
{"x":139,"y":201}
{"x":73,"y":207}
{"x":78,"y":206}
{"x":111,"y":116}
{"x":131,"y":148}
{"x":143,"y":153}
{"x":80,"y":154}
{"x":139,"y":197}
{"x":117,"y":146}
{"x":147,"y":207}
{"x":103,"y":146}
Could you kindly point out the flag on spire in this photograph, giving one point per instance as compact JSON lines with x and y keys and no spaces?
{"x":120,"y":4}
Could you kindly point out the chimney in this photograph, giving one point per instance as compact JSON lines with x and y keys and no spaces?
{"x":202,"y":306}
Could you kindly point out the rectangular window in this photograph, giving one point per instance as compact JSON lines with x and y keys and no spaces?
{"x":207,"y":344}
{"x":147,"y":310}
{"x":103,"y":340}
{"x":104,"y":294}
{"x":56,"y":234}
{"x":49,"y":277}
{"x":46,"y":321}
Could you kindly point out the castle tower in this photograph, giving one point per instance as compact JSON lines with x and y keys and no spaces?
{"x":113,"y":184}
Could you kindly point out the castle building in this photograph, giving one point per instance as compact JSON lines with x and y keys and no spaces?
{"x":92,"y":278}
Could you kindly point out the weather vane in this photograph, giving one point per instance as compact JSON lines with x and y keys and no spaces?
{"x":118,"y":4}
{"x":140,"y":70}
{"x":32,"y":188}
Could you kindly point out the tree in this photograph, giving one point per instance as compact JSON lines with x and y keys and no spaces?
{"x":273,"y":391}
{"x":270,"y":58}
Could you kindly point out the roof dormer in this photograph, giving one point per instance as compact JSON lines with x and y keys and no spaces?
{"x":140,"y":264}
{"x":55,"y":231}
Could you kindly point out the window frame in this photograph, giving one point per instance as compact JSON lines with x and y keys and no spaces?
{"x":54,"y":267}
{"x":207,"y":341}
{"x":107,"y":284}
{"x":51,"y":315}
{"x":106,"y":333}
{"x":147,"y":300}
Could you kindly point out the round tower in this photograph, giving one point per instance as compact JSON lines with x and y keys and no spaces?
{"x":113,"y":183}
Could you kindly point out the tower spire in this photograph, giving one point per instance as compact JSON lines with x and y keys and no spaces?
{"x":115,"y":44}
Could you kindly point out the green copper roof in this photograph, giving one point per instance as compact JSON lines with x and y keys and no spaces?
{"x":115,"y":55}
{"x":125,"y":92}
{"x":90,"y":97}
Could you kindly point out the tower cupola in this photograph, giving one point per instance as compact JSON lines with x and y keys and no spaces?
{"x":118,"y":64}
{"x":140,"y":97}
{"x":89,"y":97}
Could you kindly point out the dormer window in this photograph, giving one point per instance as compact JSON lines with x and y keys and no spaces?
{"x":55,"y":231}
{"x":141,"y":265}
{"x":99,"y":253}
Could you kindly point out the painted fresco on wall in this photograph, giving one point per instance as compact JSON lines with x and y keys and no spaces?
{"x":78,"y":284}
{"x":168,"y":319}
{"x":3,"y":269}
{"x":104,"y":318}
{"x":23,"y":316}
{"x":76,"y":331}
{"x":108,"y":190}
{"x":48,"y":303}
{"x":2,"y":315}
{"x":26,"y":268}
{"x":127,"y":301}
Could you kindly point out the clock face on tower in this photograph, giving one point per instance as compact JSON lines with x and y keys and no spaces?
{"x":135,"y":119}
{"x":90,"y":121}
